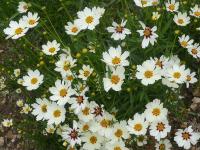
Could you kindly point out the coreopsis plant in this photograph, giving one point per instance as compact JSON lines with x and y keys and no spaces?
{"x":101,"y":75}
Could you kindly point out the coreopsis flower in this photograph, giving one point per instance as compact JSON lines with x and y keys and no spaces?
{"x":84,"y":126}
{"x":115,"y":80}
{"x":141,"y":140}
{"x":31,"y":20}
{"x":148,"y":73}
{"x":85,"y":72}
{"x":116,"y":146}
{"x":55,"y":114}
{"x":190,"y":78}
{"x":185,"y":41}
{"x":65,"y":64}
{"x":143,"y":3}
{"x":22,"y":7}
{"x":92,"y":141}
{"x":138,"y":125}
{"x":154,"y":111}
{"x":16,"y":29}
{"x":155,"y":16}
{"x":181,"y":19}
{"x":187,"y":137}
{"x":50,"y":129}
{"x":26,"y":109}
{"x":17,"y":72}
{"x":170,"y":84}
{"x":72,"y":28}
{"x":160,"y":62}
{"x":51,"y":48}
{"x":176,"y":73}
{"x":119,"y":31}
{"x":33,"y":80}
{"x":88,"y":18}
{"x":40,"y":108}
{"x":149,"y":35}
{"x":115,"y":57}
{"x":194,"y":50}
{"x":195,"y":11}
{"x":72,"y":135}
{"x":172,"y":6}
{"x":119,"y":131}
{"x":20,"y":103}
{"x":159,"y":129}
{"x":62,"y":92}
{"x":7,"y":122}
{"x":97,"y":110}
{"x":163,"y":145}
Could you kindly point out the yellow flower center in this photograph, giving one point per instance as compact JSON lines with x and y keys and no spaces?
{"x":86,"y":111}
{"x":86,"y":73}
{"x":116,"y":60}
{"x":18,"y":31}
{"x":147,"y":32}
{"x":194,"y":51}
{"x":180,"y":21}
{"x":63,"y":92}
{"x":159,"y":63}
{"x":34,"y":80}
{"x":148,"y":74}
{"x":93,"y":139}
{"x":156,"y":112}
{"x":186,"y":135}
{"x":162,"y":147}
{"x":177,"y":75}
{"x":160,"y":126}
{"x":44,"y":108}
{"x":118,"y":133}
{"x":188,"y":78}
{"x":119,"y":29}
{"x":52,"y":50}
{"x":89,"y":19}
{"x":137,"y":127}
{"x":197,"y":13}
{"x":74,"y":29}
{"x":184,"y":44}
{"x":144,"y":2}
{"x":117,"y":148}
{"x":57,"y":113}
{"x":105,"y":123}
{"x":115,"y":79}
{"x":66,"y":66}
{"x":31,"y":22}
{"x":85,"y":127}
{"x":171,"y":7}
{"x":70,"y":77}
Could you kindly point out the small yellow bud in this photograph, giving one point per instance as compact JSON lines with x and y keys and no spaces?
{"x":84,"y":50}
{"x":177,"y":31}
{"x":78,"y":55}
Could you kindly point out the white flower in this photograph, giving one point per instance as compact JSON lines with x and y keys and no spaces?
{"x":170,"y":84}
{"x":159,"y":129}
{"x":176,"y":73}
{"x":88,"y":18}
{"x":20,"y":103}
{"x":97,"y":110}
{"x":163,"y":145}
{"x":184,"y":138}
{"x":115,"y":57}
{"x":141,"y":140}
{"x":155,"y":16}
{"x":115,"y":80}
{"x":84,"y":126}
{"x":51,"y":48}
{"x":148,"y":72}
{"x":154,"y":2}
{"x":155,"y":111}
{"x":26,"y":109}
{"x":98,"y":11}
{"x":62,"y":92}
{"x":17,"y":72}
{"x":195,"y":11}
{"x":194,"y":50}
{"x":149,"y":35}
{"x":65,"y":64}
{"x":22,"y":7}
{"x":190,"y":78}
{"x":143,"y":3}
{"x":182,"y":19}
{"x":137,"y":126}
{"x":72,"y":135}
{"x":185,"y":41}
{"x":72,"y":28}
{"x":85,"y":72}
{"x":50,"y":129}
{"x":92,"y":141}
{"x":16,"y":29}
{"x":116,"y":146}
{"x":172,"y":6}
{"x":55,"y":114}
{"x":119,"y":31}
{"x":7,"y":122}
{"x":40,"y":108}
{"x":31,"y":19}
{"x":33,"y":80}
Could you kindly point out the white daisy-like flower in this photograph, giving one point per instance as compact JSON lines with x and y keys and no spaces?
{"x":7,"y":122}
{"x":176,"y":73}
{"x":31,"y":19}
{"x":160,"y":62}
{"x":40,"y":108}
{"x":155,"y":16}
{"x":84,"y":126}
{"x":190,"y":78}
{"x":138,"y":125}
{"x":119,"y":31}
{"x":72,"y":28}
{"x":150,"y":37}
{"x":55,"y":114}
{"x":115,"y":57}
{"x":72,"y":135}
{"x":86,"y":113}
{"x":22,"y":7}
{"x":88,"y":18}
{"x":194,"y":50}
{"x":155,"y":111}
{"x":163,"y":145}
{"x":62,"y":92}
{"x":143,"y":3}
{"x":115,"y":80}
{"x":159,"y":129}
{"x":148,"y":73}
{"x":116,"y":146}
{"x":85,"y":72}
{"x":172,"y":6}
{"x":17,"y":72}
{"x":181,"y":19}
{"x":33,"y":80}
{"x":185,"y":41}
{"x":65,"y":64}
{"x":154,"y":2}
{"x":195,"y":11}
{"x":16,"y":29}
{"x":97,"y":110}
{"x":50,"y":129}
{"x":26,"y":109}
{"x":187,"y":137}
{"x":51,"y":48}
{"x":141,"y":140}
{"x":92,"y":141}
{"x":170,"y":84}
